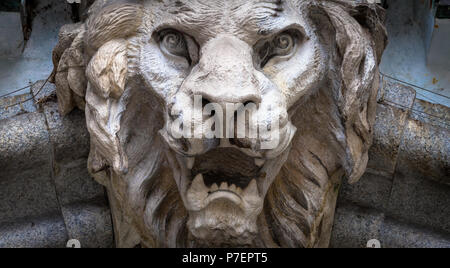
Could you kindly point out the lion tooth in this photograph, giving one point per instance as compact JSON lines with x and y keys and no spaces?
{"x":198,"y":183}
{"x":239,"y":190}
{"x":190,"y":162}
{"x":259,"y":162}
{"x":233,"y":188}
{"x":252,"y":188}
{"x":223,"y":186}
{"x":214,"y":187}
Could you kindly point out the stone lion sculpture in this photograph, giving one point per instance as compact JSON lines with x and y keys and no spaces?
{"x":311,"y":65}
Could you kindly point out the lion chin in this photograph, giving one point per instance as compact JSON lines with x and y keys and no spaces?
{"x":223,"y":191}
{"x":223,"y":223}
{"x":223,"y":182}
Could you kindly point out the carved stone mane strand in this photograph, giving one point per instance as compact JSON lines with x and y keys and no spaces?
{"x":296,"y":202}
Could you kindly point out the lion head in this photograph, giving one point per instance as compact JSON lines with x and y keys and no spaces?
{"x":147,"y":72}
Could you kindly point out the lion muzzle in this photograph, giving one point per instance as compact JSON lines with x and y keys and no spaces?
{"x":228,"y":125}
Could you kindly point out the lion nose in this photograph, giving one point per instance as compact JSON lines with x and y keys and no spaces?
{"x":226,"y":73}
{"x":229,"y":103}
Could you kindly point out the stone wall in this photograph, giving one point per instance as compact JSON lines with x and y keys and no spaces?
{"x":403,"y":200}
{"x":47,"y":196}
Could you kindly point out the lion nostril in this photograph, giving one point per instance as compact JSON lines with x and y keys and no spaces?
{"x":249,"y":103}
{"x":205,"y":102}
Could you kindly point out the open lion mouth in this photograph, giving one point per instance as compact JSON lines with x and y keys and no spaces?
{"x":213,"y":170}
{"x":223,"y":183}
{"x":226,"y":167}
{"x":224,"y":174}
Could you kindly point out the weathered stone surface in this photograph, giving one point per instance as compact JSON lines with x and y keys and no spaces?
{"x":414,"y":191}
{"x":68,"y":134}
{"x":430,"y":113}
{"x":394,"y":234}
{"x":21,"y":138}
{"x":43,"y":93}
{"x":388,"y":133}
{"x":9,"y":109}
{"x":420,"y":201}
{"x":66,"y":35}
{"x":355,"y":226}
{"x":74,"y":184}
{"x":425,"y":152}
{"x":43,"y":189}
{"x":90,"y":223}
{"x":29,"y":193}
{"x":83,"y":201}
{"x":11,"y":35}
{"x":46,"y":232}
{"x":395,"y":102}
{"x":397,"y":94}
{"x":372,"y":191}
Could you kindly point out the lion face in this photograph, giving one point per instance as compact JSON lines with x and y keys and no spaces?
{"x":229,"y":61}
{"x":224,"y":123}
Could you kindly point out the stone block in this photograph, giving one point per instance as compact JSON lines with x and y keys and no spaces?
{"x":11,"y":35}
{"x":43,"y":93}
{"x":420,"y":201}
{"x":46,"y":232}
{"x":29,"y":193}
{"x":395,"y":234}
{"x":90,"y":223}
{"x":430,"y":113}
{"x":74,"y":184}
{"x":388,"y":132}
{"x":24,"y":143}
{"x":8,"y":108}
{"x":425,"y":152}
{"x":355,"y":226}
{"x":394,"y":104}
{"x":396,"y":94}
{"x":372,"y":191}
{"x":68,"y":134}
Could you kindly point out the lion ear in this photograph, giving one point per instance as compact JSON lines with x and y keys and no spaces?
{"x":361,"y":39}
{"x":78,"y":43}
{"x":69,"y":68}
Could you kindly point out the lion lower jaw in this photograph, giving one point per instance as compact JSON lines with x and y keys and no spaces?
{"x":223,"y":224}
{"x":199,"y":196}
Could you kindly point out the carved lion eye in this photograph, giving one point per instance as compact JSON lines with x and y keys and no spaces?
{"x":281,"y":45}
{"x":174,"y":43}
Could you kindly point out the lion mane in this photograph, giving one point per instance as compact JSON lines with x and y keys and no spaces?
{"x":95,"y":70}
